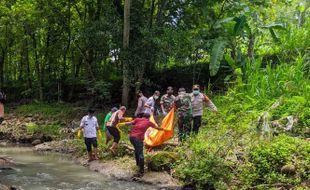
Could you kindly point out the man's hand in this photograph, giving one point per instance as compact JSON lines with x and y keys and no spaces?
{"x":164,"y":113}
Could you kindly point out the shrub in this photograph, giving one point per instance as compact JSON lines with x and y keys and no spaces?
{"x":204,"y":161}
{"x":267,"y":162}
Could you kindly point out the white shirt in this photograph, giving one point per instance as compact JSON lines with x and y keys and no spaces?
{"x":151,"y":103}
{"x":89,"y":125}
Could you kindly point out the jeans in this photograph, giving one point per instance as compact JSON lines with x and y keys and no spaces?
{"x":196,"y":124}
{"x":138,"y":145}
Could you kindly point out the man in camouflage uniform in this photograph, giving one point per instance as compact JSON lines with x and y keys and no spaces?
{"x":184,"y":109}
{"x":166,"y":101}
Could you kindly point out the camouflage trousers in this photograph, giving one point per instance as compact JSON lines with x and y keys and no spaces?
{"x":184,"y":125}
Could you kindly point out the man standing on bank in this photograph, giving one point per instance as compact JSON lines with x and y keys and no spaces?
{"x":149,"y":106}
{"x":141,"y":101}
{"x":167,"y":101}
{"x":89,"y":124}
{"x":198,"y":99}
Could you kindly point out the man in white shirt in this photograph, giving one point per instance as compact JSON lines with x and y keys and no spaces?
{"x":198,"y":99}
{"x":150,"y":103}
{"x":90,"y":126}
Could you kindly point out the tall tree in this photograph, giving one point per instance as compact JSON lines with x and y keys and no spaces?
{"x":126,"y":34}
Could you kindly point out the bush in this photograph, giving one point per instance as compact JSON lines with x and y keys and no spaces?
{"x":161,"y":161}
{"x":204,"y":161}
{"x":285,"y":160}
{"x":49,"y":130}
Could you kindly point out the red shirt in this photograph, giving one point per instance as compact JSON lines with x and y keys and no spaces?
{"x":140,"y":127}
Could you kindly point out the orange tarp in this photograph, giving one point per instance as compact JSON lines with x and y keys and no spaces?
{"x":154,"y":137}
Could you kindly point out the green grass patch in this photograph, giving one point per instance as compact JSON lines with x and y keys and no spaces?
{"x":52,"y":110}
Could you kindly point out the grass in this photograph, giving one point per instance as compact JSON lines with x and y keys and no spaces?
{"x":55,"y":110}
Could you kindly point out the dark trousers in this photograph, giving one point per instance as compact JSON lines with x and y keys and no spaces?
{"x":138,"y":145}
{"x":115,"y":134}
{"x":89,"y":142}
{"x":196,"y":124}
{"x":184,"y":125}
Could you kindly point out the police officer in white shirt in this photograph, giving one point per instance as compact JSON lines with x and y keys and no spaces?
{"x":90,"y":126}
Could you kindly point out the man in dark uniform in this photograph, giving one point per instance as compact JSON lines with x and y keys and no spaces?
{"x":184,"y":110}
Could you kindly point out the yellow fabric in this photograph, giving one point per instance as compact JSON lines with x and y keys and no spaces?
{"x":154,"y":137}
{"x":120,"y":125}
{"x":99,"y":136}
{"x":79,"y":133}
{"x":128,"y":119}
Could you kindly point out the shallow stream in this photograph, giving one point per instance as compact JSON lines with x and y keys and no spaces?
{"x":51,"y":171}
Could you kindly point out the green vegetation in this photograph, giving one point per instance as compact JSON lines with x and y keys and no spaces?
{"x":53,"y":130}
{"x":56,"y":111}
{"x":239,"y":147}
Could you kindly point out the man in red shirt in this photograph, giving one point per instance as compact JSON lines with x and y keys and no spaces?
{"x":136,"y":137}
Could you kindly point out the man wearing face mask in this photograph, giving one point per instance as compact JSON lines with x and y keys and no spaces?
{"x":166,"y":101}
{"x":150,"y":103}
{"x":198,"y":99}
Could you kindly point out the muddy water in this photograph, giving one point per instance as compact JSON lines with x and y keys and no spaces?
{"x":49,"y":171}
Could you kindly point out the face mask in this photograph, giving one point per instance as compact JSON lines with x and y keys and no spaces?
{"x":195,"y":92}
{"x":155,"y":97}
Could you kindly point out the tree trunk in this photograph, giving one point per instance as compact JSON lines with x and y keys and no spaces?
{"x":37,"y":65}
{"x":251,"y":46}
{"x":126,"y":33}
{"x":152,"y":12}
{"x":2,"y":59}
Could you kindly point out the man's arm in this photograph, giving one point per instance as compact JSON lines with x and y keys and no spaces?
{"x":81,"y":125}
{"x":210,"y":104}
{"x":97,"y":125}
{"x":155,"y":126}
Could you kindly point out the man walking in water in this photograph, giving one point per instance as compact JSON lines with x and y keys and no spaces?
{"x":167,"y":101}
{"x":141,"y":101}
{"x":198,"y":99}
{"x":90,"y":126}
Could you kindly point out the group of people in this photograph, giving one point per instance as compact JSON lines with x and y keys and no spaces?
{"x":189,"y":108}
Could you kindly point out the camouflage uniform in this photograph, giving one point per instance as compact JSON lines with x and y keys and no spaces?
{"x":167,"y":102}
{"x":184,"y":108}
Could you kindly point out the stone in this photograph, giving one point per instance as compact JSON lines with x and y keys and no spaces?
{"x":6,"y":161}
{"x":288,"y":169}
{"x":36,"y":142}
{"x":3,"y":187}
